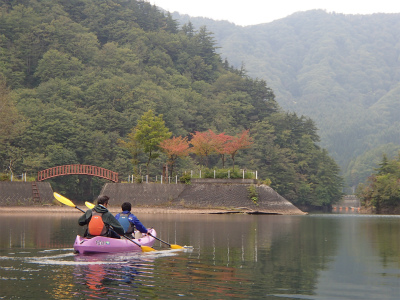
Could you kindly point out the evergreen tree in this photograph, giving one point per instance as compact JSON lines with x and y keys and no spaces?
{"x":149,"y":133}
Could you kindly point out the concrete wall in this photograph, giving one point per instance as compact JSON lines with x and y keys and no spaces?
{"x":222,"y":194}
{"x":223,"y":181}
{"x":20,"y":193}
{"x":142,"y":194}
{"x":199,"y":195}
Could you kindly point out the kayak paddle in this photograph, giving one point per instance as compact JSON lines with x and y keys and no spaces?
{"x":171,"y":245}
{"x":144,"y":248}
{"x":89,"y":205}
{"x":68,"y":202}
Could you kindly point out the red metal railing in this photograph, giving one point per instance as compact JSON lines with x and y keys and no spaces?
{"x":77,"y":169}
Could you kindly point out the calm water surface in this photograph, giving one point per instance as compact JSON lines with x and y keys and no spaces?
{"x":233,"y":257}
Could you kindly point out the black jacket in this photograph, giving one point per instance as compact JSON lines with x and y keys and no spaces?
{"x":108,"y":219}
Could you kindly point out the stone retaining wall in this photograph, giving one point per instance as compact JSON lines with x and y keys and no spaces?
{"x":200,"y":195}
{"x":20,"y":193}
{"x":142,"y":194}
{"x":222,"y":181}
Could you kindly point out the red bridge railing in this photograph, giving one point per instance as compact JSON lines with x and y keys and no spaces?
{"x":77,"y":169}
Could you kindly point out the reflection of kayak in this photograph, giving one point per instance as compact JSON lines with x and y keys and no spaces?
{"x":101,"y":244}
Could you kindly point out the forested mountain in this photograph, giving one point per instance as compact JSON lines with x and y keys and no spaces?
{"x":78,"y":75}
{"x":340,"y":70}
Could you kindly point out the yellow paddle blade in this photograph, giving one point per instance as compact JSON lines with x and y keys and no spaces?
{"x":63,"y":200}
{"x":89,"y":205}
{"x":147,"y":249}
{"x":176,"y":247}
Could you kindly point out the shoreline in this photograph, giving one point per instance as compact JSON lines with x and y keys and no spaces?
{"x":135,"y":210}
{"x":153,"y":210}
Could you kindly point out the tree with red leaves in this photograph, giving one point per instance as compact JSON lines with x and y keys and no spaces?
{"x":220,"y":145}
{"x":203,"y":144}
{"x":236,"y":143}
{"x":174,"y":148}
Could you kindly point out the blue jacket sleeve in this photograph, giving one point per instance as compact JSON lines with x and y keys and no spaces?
{"x":135,"y":221}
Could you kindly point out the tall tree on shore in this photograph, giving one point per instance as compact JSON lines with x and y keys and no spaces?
{"x":203,"y":144}
{"x":174,"y":148}
{"x":221,"y":143}
{"x":134,"y":149}
{"x":149,"y":132}
{"x":236,"y":143}
{"x":382,"y":192}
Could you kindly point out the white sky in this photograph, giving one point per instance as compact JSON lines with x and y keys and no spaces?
{"x":251,"y":12}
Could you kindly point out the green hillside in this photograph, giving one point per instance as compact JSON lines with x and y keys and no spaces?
{"x":77,"y":75}
{"x":340,"y":70}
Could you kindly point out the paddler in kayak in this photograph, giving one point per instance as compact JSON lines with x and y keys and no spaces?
{"x":100,"y":221}
{"x":129,"y":221}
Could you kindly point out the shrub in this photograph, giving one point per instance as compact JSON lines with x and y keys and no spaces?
{"x":186,"y":179}
{"x":4,"y":177}
{"x":253,"y":195}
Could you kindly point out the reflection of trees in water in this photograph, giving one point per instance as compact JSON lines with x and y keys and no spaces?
{"x":39,"y":230}
{"x":103,"y":280}
{"x":383,"y":235}
{"x":276,"y":251}
{"x":63,"y":284}
{"x":294,"y":259}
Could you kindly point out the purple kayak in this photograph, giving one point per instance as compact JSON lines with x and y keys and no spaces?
{"x":101,"y":244}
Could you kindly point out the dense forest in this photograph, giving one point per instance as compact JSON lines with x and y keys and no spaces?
{"x":77,"y":76}
{"x":381,"y":194}
{"x":340,"y":70}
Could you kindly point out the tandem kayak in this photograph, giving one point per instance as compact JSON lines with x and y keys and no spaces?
{"x":101,"y":244}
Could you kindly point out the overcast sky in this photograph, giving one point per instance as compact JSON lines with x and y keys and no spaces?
{"x":251,"y":12}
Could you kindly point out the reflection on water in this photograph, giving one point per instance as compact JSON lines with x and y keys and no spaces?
{"x":233,"y":256}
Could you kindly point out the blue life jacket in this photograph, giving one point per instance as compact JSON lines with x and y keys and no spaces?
{"x":126,"y":224}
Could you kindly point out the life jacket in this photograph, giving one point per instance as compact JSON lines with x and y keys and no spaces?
{"x":125,"y":223}
{"x":96,"y":225}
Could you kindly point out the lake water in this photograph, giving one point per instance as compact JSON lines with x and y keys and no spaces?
{"x":233,"y":257}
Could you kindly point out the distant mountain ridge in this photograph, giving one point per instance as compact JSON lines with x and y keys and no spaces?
{"x":343,"y":71}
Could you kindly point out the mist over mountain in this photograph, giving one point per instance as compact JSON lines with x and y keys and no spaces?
{"x":340,"y":70}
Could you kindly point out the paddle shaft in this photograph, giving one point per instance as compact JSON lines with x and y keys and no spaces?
{"x":80,"y":209}
{"x":159,"y":239}
{"x":171,"y":246}
{"x":128,"y":238}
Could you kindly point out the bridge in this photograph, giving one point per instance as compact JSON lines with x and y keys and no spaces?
{"x":78,"y":170}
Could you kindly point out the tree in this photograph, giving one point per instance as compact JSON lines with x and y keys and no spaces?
{"x":134,"y":149}
{"x":203,"y":144}
{"x":149,"y":132}
{"x":174,"y":148}
{"x":243,"y":141}
{"x":221,"y":143}
{"x":11,"y":122}
{"x":382,"y":192}
{"x":55,"y":64}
